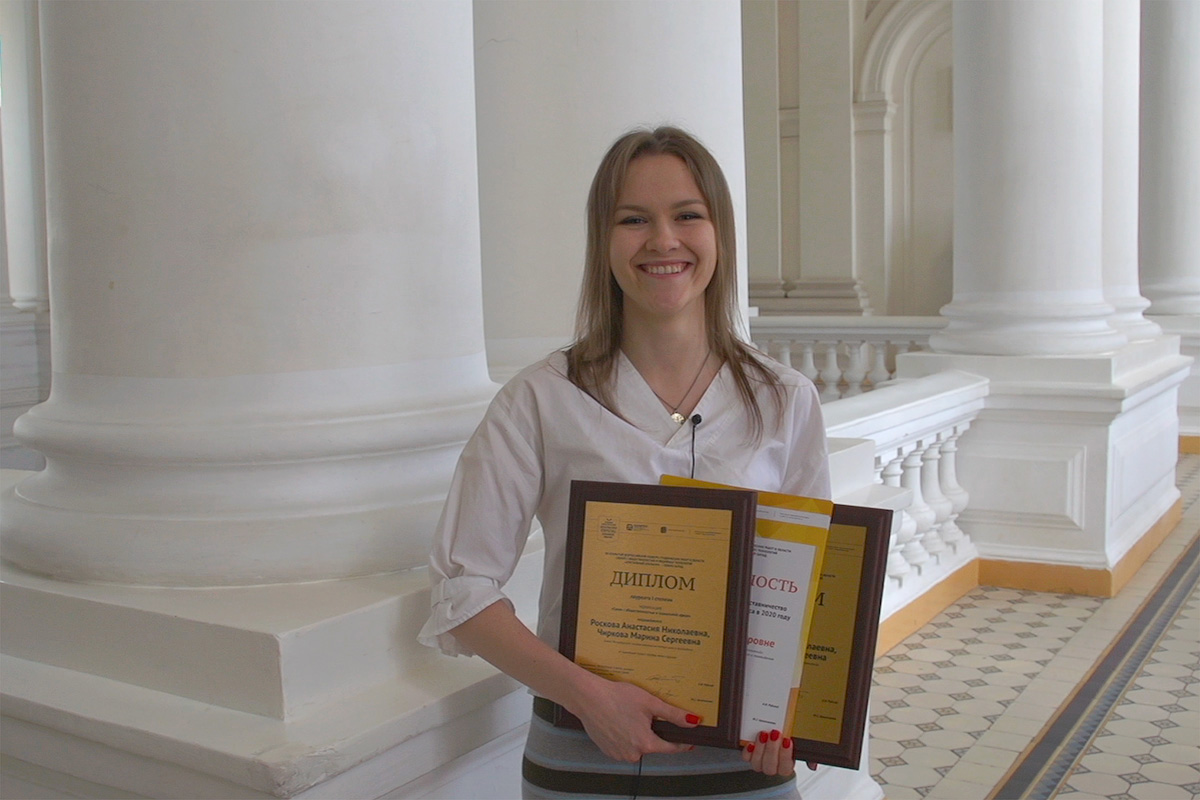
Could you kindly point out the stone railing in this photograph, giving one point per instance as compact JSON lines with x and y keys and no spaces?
{"x":844,"y":356}
{"x":913,"y":427}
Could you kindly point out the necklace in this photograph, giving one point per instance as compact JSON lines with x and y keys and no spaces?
{"x":675,"y":415}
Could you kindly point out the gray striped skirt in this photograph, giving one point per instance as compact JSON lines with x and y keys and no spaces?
{"x":561,"y":762}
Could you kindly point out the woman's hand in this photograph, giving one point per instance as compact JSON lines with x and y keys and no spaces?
{"x":771,"y":754}
{"x":617,"y":717}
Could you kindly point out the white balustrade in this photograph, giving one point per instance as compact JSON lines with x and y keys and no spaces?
{"x":843,"y":347}
{"x":915,"y":426}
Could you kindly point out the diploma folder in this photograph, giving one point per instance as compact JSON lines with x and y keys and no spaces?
{"x":830,"y":719}
{"x":829,"y":707}
{"x":656,"y":592}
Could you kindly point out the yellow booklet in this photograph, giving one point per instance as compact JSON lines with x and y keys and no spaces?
{"x":789,"y":551}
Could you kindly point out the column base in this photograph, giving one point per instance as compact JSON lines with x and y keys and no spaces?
{"x":1030,"y":324}
{"x":1073,"y":458}
{"x":241,"y":480}
{"x":269,"y":691}
{"x":828,"y":297}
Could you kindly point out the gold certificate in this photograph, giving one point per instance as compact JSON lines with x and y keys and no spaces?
{"x":656,"y":594}
{"x":831,"y":711}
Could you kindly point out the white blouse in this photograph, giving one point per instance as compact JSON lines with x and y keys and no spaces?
{"x":541,"y":432}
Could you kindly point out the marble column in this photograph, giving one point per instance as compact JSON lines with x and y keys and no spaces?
{"x":1028,"y":165}
{"x":1119,"y":243}
{"x":816,"y":129}
{"x":265,"y":290}
{"x":24,"y":178}
{"x":760,"y":67}
{"x":1169,"y":238}
{"x":1170,"y":163}
{"x":1071,"y":465}
{"x":556,"y":84}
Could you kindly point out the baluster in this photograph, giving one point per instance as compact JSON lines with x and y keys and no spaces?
{"x":785,"y":352}
{"x":879,"y":374}
{"x":856,"y":369}
{"x":922,"y":514}
{"x":903,"y":527}
{"x":957,"y":495}
{"x":931,"y":488}
{"x":807,"y":368}
{"x":831,"y":373}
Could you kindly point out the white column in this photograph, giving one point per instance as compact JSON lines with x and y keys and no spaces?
{"x":819,"y":262}
{"x":760,"y":64}
{"x":24,"y":178}
{"x":265,"y":290}
{"x":873,"y":120}
{"x":1027,"y":218}
{"x":556,"y":84}
{"x":1170,"y":164}
{"x":1169,"y":238}
{"x":1122,"y":23}
{"x":1072,"y":462}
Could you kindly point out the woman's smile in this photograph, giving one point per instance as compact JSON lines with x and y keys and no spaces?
{"x":673,"y":268}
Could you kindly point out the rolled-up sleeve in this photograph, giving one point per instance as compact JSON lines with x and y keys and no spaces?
{"x":807,"y":472}
{"x":493,"y":496}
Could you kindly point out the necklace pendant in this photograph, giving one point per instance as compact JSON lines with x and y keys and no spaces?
{"x":679,"y":418}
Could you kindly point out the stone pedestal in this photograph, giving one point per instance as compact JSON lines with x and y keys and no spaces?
{"x":1071,"y":464}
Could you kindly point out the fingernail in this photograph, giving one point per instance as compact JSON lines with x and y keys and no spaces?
{"x":692,"y":719}
{"x":750,"y":747}
{"x":774,"y":736}
{"x":762,"y":737}
{"x":787,"y":743}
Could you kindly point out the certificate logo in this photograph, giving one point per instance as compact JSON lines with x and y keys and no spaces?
{"x":608,"y":527}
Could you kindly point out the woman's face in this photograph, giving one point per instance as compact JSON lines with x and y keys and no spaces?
{"x":663,"y":246}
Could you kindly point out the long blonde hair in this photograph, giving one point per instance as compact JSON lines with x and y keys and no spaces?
{"x":600,"y":319}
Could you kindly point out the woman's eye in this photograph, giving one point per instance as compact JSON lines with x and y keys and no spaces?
{"x":633,"y":220}
{"x":691,"y":215}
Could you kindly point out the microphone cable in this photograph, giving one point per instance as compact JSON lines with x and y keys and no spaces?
{"x":696,"y":420}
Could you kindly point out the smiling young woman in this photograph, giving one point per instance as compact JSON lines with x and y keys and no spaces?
{"x":655,"y":340}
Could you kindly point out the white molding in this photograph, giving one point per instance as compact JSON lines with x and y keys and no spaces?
{"x":887,"y":40}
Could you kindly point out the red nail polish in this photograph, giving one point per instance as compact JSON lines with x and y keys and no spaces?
{"x":762,"y":737}
{"x":750,"y":747}
{"x":692,"y":719}
{"x":787,"y":743}
{"x":774,"y":736}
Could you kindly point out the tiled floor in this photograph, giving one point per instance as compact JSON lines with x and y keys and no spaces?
{"x":957,"y":703}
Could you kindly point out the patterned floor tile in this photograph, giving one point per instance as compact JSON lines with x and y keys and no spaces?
{"x":956,"y":702}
